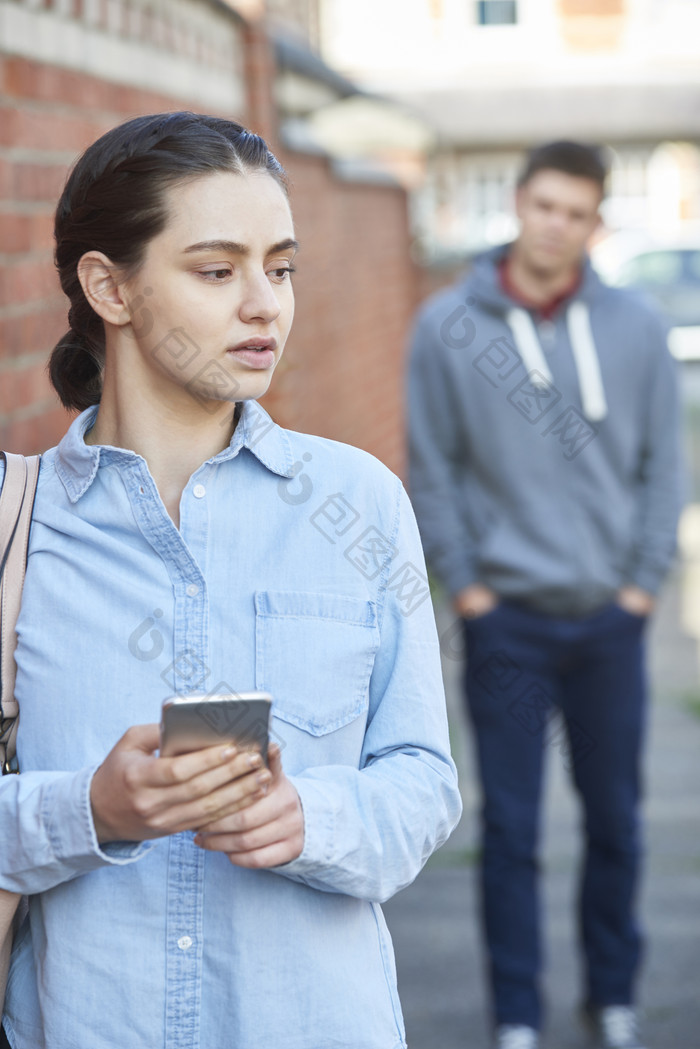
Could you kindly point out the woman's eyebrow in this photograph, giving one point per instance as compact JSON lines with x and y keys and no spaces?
{"x":232,"y":247}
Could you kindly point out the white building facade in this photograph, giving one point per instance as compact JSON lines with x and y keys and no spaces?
{"x":494,"y":77}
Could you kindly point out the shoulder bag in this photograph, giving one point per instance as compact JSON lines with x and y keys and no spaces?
{"x":16,"y":504}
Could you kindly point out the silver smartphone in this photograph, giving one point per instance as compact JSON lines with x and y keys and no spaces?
{"x":198,"y":719}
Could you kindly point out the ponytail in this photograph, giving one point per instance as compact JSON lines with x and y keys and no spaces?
{"x":75,"y":371}
{"x":76,"y":364}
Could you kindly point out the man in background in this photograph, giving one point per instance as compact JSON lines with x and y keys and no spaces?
{"x":545,"y":474}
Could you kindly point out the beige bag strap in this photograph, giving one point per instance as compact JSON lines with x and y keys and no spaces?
{"x":16,"y":505}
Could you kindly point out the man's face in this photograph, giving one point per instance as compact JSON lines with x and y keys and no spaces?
{"x":558,"y":213}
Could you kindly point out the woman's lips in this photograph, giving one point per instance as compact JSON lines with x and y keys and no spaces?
{"x":254,"y":358}
{"x":258,"y":353}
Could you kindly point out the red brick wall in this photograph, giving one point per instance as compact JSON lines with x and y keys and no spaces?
{"x":47,"y":117}
{"x":356,"y":289}
{"x":342,"y":373}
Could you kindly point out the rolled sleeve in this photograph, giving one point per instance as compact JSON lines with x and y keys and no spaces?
{"x":48,"y":817}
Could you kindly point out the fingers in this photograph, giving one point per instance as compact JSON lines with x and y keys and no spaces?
{"x":270,"y":856}
{"x":277,"y":800}
{"x":274,"y":760}
{"x":220,"y":803}
{"x":186,"y":768}
{"x":262,"y":811}
{"x":136,"y":795}
{"x":255,"y":847}
{"x":193,"y":776}
{"x":268,"y":832}
{"x":217,"y":792}
{"x":145,"y":738}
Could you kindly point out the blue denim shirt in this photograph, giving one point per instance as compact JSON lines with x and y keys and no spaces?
{"x":297,"y":569}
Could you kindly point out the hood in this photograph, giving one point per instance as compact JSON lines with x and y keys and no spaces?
{"x":483,"y":284}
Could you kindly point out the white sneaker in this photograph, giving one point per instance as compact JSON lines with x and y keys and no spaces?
{"x":614,"y":1026}
{"x":516,"y":1036}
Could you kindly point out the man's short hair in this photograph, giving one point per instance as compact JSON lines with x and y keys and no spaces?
{"x":573,"y":158}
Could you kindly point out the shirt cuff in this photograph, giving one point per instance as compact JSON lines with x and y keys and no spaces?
{"x":648,"y":577}
{"x":67,"y":816}
{"x":319,"y":830}
{"x":460,"y":581}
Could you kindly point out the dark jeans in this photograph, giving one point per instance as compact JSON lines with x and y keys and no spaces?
{"x":521,"y":666}
{"x":4,"y":1044}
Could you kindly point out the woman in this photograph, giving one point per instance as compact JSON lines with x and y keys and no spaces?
{"x":205,"y":899}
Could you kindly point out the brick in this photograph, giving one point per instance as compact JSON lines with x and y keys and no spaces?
{"x":10,"y":336}
{"x":33,"y":384}
{"x":27,"y":281}
{"x":53,"y":425}
{"x":46,"y":129}
{"x":6,"y":178}
{"x":21,"y":387}
{"x":24,"y":79}
{"x":42,"y":231}
{"x":15,"y":233}
{"x":43,"y":431}
{"x":36,"y":331}
{"x":38,"y":182}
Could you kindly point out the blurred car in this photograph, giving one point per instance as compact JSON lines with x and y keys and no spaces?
{"x":668,"y":273}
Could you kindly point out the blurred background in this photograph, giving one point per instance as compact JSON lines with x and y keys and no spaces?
{"x":402,"y":124}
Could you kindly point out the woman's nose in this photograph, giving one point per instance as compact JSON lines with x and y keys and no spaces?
{"x":260,"y":301}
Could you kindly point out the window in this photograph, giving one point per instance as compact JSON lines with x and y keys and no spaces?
{"x":496,"y":12}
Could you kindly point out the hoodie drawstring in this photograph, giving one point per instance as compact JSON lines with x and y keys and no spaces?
{"x":584,"y":352}
{"x":586,"y":359}
{"x":528,"y":345}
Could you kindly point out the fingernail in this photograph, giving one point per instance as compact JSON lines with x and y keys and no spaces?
{"x":254,"y":760}
{"x":263,"y":778}
{"x":229,"y":752}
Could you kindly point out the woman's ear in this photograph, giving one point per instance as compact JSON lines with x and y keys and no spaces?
{"x":98,"y":277}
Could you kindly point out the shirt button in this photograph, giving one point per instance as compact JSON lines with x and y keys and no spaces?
{"x":184,"y":943}
{"x":192,"y":590}
{"x":199,"y":491}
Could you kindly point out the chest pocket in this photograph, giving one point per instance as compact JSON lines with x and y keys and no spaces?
{"x":314,"y":653}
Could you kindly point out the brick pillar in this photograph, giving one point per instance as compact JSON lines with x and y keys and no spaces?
{"x":260,"y":71}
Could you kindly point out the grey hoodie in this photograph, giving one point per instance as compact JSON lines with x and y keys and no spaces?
{"x":544,"y":455}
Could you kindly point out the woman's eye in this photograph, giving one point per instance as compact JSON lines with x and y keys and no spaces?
{"x":215,"y":276}
{"x":282,"y":273}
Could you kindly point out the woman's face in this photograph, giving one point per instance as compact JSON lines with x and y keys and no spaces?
{"x":212,"y":303}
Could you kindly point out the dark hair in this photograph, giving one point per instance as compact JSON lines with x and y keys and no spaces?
{"x":114,"y":202}
{"x":573,"y":158}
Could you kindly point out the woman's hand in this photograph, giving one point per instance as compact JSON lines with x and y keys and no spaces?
{"x":136,"y":795}
{"x":269,"y":832}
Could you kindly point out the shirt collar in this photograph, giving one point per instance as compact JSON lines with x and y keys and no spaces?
{"x":267,"y":441}
{"x":77,"y":463}
{"x":545,"y":309}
